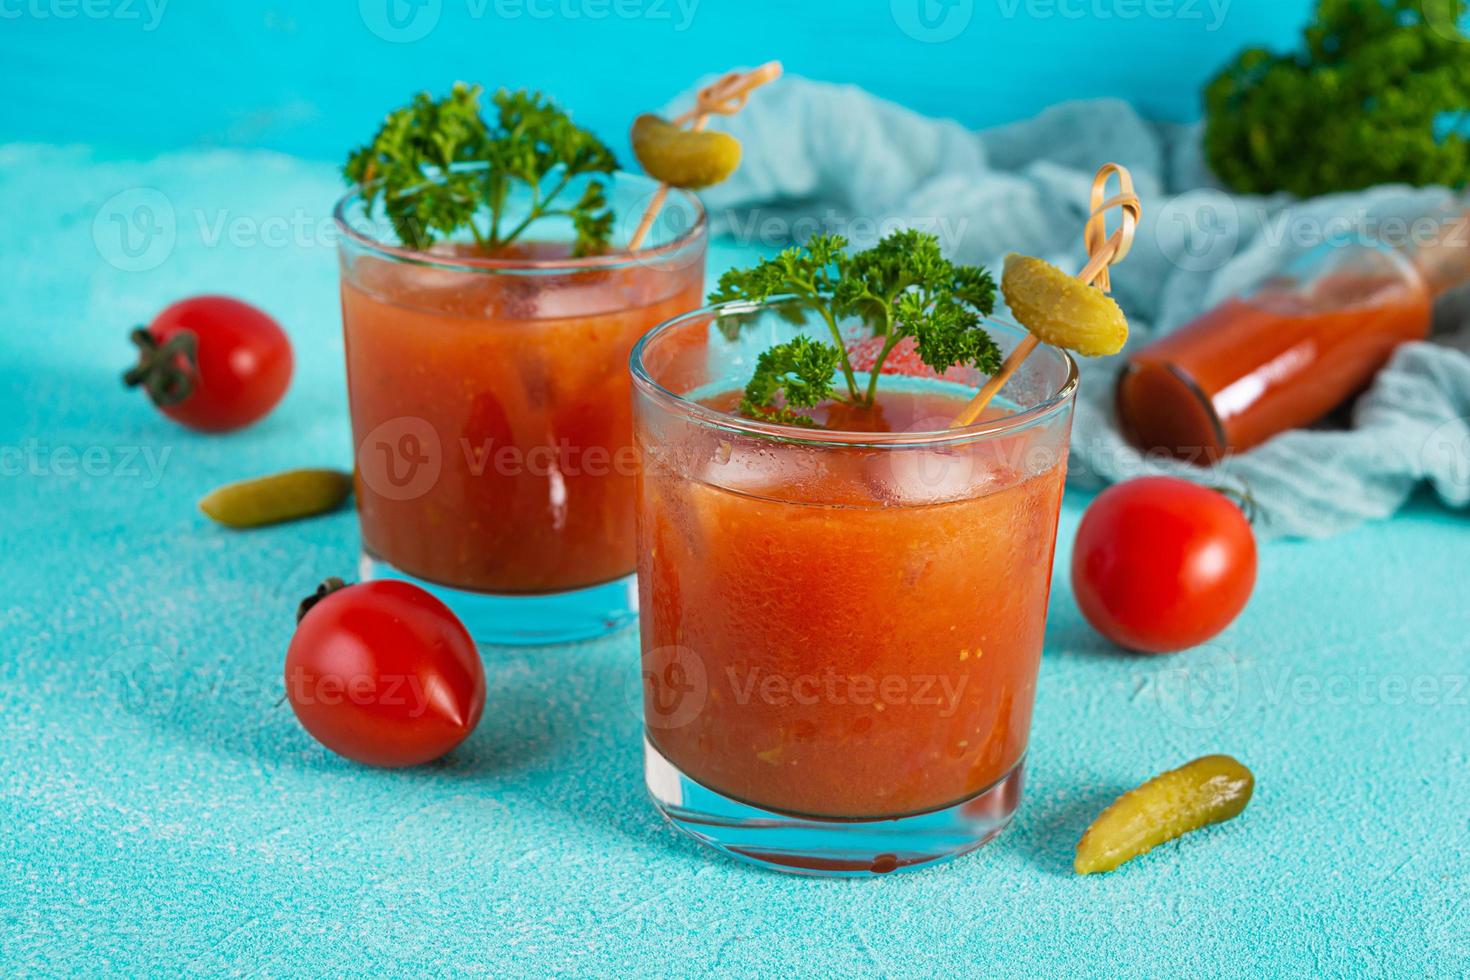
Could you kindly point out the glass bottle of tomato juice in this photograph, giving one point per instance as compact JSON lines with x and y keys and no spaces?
{"x":490,"y":410}
{"x":841,"y":626}
{"x":1289,"y":351}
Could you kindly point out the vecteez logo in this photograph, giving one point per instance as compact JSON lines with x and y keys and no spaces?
{"x":143,"y":682}
{"x":674,"y":686}
{"x":400,"y":21}
{"x":932,"y":21}
{"x":1445,"y":458}
{"x":672,"y":222}
{"x":135,"y":230}
{"x":754,"y":226}
{"x":1198,"y":231}
{"x":920,"y":476}
{"x":401,"y":459}
{"x":149,"y":13}
{"x":406,"y":21}
{"x":1199,"y":689}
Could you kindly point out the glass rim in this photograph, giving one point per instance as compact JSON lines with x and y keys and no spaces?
{"x":1062,"y":396}
{"x":610,"y":260}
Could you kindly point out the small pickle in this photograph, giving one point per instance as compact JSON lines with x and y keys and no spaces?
{"x":683,"y":157}
{"x":1211,"y":789}
{"x":280,"y":497}
{"x":1062,"y":310}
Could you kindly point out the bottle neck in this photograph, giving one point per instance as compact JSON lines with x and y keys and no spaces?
{"x":1443,"y":259}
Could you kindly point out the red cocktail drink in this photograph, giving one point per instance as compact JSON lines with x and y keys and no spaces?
{"x":841,"y":627}
{"x":490,"y":409}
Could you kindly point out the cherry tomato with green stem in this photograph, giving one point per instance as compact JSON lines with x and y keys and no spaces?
{"x":1161,"y":564}
{"x":212,"y":363}
{"x":383,"y":673}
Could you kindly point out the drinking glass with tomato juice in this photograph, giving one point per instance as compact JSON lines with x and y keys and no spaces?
{"x":842,"y":624}
{"x":489,"y":395}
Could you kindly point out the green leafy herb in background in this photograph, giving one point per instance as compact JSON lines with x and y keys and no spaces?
{"x":1381,"y":93}
{"x":902,"y":287}
{"x":412,"y":165}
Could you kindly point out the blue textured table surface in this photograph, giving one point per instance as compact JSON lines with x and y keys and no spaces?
{"x":162,"y":810}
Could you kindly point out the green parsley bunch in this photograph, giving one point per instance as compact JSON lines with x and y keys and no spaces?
{"x":415,"y":164}
{"x":1380,"y":93}
{"x":902,"y":287}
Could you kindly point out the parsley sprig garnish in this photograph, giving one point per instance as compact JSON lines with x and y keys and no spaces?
{"x":802,"y":370}
{"x":902,"y":287}
{"x":415,"y":164}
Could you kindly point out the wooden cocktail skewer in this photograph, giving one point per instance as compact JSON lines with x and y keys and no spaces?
{"x":1103,"y":250}
{"x":725,"y":97}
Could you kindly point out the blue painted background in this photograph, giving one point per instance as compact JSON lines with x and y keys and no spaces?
{"x":162,"y":812}
{"x":312,"y":78}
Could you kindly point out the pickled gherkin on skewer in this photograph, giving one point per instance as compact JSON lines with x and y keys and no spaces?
{"x":1061,"y":310}
{"x":685,"y":158}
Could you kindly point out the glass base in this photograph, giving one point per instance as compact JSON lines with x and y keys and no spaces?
{"x":833,"y":848}
{"x":527,"y":620}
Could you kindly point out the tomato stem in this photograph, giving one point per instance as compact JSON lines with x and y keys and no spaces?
{"x":322,"y":591}
{"x":1241,"y":497}
{"x":166,"y":371}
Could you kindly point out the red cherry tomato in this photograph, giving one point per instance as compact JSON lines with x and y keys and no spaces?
{"x":212,"y":363}
{"x":1161,"y":564}
{"x":383,"y":673}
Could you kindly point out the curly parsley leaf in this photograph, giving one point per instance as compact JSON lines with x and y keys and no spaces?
{"x":801,"y":371}
{"x":414,"y":164}
{"x":946,"y":333}
{"x":416,"y":144}
{"x":808,"y":271}
{"x":902,"y":287}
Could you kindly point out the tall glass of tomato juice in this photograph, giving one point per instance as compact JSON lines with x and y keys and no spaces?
{"x":490,"y":409}
{"x":841,"y":627}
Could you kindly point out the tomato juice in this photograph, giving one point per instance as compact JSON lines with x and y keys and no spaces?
{"x":844,"y":624}
{"x":489,"y":397}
